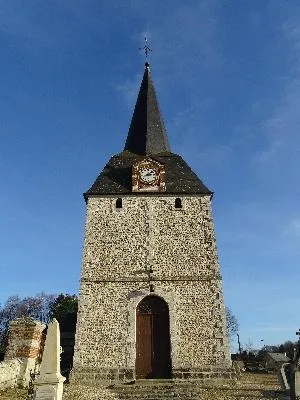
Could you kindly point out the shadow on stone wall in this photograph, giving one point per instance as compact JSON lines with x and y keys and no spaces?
{"x":67,"y":342}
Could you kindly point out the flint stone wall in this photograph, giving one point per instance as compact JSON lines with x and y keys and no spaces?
{"x":179,"y":246}
{"x":9,"y":373}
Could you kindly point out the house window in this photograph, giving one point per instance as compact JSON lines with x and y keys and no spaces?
{"x":178,"y":203}
{"x":119,"y":203}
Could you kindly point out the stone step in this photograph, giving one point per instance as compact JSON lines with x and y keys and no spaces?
{"x":152,"y":382}
{"x":184,"y":391}
{"x":156,"y":391}
{"x":248,"y":386}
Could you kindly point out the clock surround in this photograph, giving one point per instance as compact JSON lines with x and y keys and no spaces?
{"x":148,"y":175}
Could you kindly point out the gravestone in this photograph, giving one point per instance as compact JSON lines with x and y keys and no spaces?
{"x":46,"y":392}
{"x":295,"y":372}
{"x":49,"y":384}
{"x":297,"y":385}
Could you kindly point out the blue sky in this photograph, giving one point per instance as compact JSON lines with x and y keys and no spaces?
{"x":227,"y":75}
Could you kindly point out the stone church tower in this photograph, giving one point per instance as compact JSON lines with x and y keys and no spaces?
{"x":150,"y":302}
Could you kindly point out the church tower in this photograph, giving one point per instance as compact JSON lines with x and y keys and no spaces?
{"x":150,"y":302}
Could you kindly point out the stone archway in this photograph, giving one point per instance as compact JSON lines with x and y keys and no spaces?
{"x":153,"y":348}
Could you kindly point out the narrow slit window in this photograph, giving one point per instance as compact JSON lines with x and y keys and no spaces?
{"x":178,"y":203}
{"x":119,"y":203}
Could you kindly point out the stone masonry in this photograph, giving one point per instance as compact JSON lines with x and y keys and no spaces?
{"x":9,"y":373}
{"x":121,"y":244}
{"x":25,"y":343}
{"x":149,"y":232}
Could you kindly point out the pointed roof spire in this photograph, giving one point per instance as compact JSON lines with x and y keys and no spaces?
{"x":147,"y":133}
{"x":146,"y":136}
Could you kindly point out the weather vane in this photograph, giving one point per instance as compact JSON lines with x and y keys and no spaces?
{"x":146,"y":48}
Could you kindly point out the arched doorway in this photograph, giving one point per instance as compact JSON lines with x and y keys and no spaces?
{"x":153,"y":358}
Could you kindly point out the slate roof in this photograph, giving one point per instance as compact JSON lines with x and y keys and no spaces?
{"x":116,"y":175}
{"x":147,"y":133}
{"x":146,"y":137}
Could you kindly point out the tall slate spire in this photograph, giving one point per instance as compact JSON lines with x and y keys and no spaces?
{"x":147,"y":133}
{"x":146,"y":137}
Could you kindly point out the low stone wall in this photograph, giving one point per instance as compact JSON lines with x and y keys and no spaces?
{"x":238,"y":366}
{"x":9,"y":373}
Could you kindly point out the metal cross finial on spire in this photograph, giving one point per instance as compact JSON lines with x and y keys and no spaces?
{"x":146,"y":48}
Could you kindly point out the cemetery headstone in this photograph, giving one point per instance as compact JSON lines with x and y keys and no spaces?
{"x":297,"y":385}
{"x":295,"y":373}
{"x":49,"y":384}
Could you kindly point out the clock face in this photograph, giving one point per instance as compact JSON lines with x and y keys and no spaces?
{"x":148,"y":175}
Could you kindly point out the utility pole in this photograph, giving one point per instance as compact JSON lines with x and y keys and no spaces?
{"x":239,"y":343}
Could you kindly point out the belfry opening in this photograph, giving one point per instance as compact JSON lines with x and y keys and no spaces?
{"x":153,"y":347}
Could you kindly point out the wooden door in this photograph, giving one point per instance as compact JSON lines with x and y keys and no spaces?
{"x":144,"y":345}
{"x":153,"y":359}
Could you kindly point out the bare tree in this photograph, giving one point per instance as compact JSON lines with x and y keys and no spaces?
{"x":232,"y":323}
{"x":248,"y":346}
{"x":37,"y":307}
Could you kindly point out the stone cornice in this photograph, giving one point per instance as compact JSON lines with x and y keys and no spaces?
{"x":156,"y":279}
